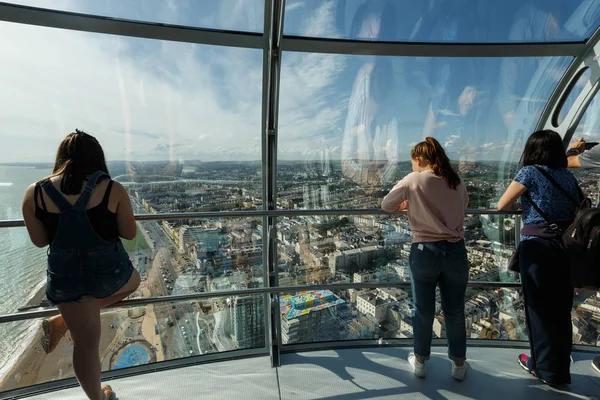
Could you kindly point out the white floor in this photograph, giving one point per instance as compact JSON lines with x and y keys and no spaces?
{"x":353,"y":374}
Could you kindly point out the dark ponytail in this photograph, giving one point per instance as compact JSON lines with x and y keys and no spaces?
{"x":432,"y":151}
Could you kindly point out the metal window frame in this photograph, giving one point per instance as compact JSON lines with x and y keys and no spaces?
{"x":123,"y":27}
{"x":434,"y":49}
{"x":17,"y":223}
{"x":585,"y":59}
{"x":152,"y":30}
{"x":267,"y":290}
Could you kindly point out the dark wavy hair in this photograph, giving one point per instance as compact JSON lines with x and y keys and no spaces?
{"x":79,"y":155}
{"x":544,"y":148}
{"x":432,"y":151}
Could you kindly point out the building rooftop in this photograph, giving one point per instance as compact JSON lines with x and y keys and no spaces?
{"x":303,"y":303}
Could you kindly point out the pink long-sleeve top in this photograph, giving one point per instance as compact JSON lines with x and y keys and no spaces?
{"x":435,"y":211}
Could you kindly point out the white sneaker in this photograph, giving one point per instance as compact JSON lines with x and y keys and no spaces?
{"x":419,"y":369}
{"x":459,"y":373}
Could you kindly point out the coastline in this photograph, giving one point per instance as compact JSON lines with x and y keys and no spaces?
{"x":38,"y":297}
{"x":34,"y":366}
{"x":31,"y":365}
{"x":23,"y":349}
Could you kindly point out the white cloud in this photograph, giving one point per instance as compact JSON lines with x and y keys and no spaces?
{"x":289,"y":7}
{"x":135,"y":94}
{"x":128,"y":92}
{"x":311,"y":108}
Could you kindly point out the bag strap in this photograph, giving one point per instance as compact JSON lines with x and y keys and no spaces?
{"x":558,"y":186}
{"x":552,"y":225}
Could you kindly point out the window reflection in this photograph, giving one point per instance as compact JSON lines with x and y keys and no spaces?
{"x":435,"y":20}
{"x":367,"y":112}
{"x":370,"y":142}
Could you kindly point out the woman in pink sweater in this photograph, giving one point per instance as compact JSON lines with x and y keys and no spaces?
{"x":435,"y":198}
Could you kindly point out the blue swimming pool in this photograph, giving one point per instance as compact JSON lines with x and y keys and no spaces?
{"x":131,"y":356}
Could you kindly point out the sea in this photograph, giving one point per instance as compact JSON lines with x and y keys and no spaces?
{"x":22,"y":265}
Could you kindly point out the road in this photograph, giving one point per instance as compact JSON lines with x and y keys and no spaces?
{"x":182,"y":314}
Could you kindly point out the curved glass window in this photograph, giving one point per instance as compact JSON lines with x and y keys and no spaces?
{"x":582,"y":78}
{"x":348,"y":123}
{"x":171,"y":118}
{"x":235,"y":15}
{"x":589,"y":125}
{"x":183,"y":109}
{"x":463,"y":21}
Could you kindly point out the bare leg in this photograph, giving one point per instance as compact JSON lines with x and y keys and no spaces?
{"x":83,"y":320}
{"x":130,"y":287}
{"x":56,"y":328}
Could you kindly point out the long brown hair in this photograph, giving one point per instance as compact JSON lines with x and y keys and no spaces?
{"x":79,"y":155}
{"x":432,"y":151}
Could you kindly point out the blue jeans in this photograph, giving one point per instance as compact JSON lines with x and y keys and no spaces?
{"x":444,"y":263}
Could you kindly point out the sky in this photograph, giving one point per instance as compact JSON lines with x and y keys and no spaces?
{"x":158,"y":100}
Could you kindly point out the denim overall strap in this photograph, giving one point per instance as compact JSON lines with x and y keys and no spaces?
{"x":83,"y":200}
{"x":57,"y":198}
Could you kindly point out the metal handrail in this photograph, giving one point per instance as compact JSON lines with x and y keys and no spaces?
{"x":15,"y":223}
{"x":22,"y":316}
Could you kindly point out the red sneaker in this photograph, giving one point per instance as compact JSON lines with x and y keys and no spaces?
{"x":524,"y":363}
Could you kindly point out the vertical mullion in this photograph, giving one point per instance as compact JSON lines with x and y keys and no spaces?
{"x":266,"y":91}
{"x":271,"y":66}
{"x":272,"y":126}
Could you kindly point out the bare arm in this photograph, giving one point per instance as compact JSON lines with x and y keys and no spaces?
{"x":573,"y":161}
{"x":125,"y":219}
{"x":35,"y":228}
{"x":508,"y":200}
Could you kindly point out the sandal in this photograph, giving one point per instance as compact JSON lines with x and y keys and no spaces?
{"x":108,"y":393}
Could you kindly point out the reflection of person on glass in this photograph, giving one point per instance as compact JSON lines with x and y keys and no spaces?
{"x":452,"y":116}
{"x":435,"y":198}
{"x":80,"y":213}
{"x":370,"y":146}
{"x":531,"y":24}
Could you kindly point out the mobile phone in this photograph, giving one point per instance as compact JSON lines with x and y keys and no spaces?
{"x":589,"y":145}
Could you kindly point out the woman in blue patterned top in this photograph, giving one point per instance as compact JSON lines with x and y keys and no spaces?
{"x":543,"y":265}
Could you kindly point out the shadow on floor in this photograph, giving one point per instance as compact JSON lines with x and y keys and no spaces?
{"x":492,"y":374}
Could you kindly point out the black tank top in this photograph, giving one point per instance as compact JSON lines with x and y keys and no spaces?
{"x":102,"y":219}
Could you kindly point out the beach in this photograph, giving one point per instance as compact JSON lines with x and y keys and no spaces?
{"x":119,"y":328}
{"x":34,"y":366}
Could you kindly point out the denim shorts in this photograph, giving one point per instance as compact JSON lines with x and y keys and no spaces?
{"x":73,"y":274}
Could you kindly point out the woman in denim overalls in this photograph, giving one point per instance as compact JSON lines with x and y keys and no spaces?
{"x":81,"y":214}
